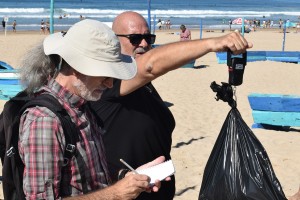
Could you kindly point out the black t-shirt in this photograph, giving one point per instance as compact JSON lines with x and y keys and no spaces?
{"x":138,"y":128}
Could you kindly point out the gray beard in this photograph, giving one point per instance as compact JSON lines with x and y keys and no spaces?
{"x":84,"y":92}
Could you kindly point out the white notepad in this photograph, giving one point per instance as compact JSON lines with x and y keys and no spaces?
{"x":159,"y":172}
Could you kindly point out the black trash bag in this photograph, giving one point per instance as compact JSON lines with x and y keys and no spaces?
{"x":239,"y":167}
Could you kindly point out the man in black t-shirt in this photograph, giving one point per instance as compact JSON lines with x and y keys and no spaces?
{"x":138,"y":124}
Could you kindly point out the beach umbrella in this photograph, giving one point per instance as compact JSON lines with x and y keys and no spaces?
{"x":51,"y":16}
{"x":200,"y":28}
{"x":239,"y":21}
{"x":243,"y":26}
{"x":287,"y":24}
{"x":149,"y":15}
{"x":284,"y":33}
{"x":154,"y":19}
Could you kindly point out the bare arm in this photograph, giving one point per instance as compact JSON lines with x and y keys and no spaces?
{"x":128,"y":188}
{"x":165,"y":58}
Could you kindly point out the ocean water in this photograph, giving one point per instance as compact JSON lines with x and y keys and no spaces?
{"x":210,"y":13}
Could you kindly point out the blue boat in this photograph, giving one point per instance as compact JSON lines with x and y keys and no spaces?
{"x":9,"y":81}
{"x":279,"y":56}
{"x":275,"y":110}
{"x":4,"y":65}
{"x":8,"y":75}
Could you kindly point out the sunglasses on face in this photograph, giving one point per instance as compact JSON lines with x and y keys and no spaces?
{"x":136,"y":39}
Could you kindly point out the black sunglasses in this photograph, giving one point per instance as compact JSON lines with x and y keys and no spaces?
{"x":136,"y":39}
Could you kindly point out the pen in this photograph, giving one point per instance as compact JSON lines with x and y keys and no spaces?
{"x":129,"y":167}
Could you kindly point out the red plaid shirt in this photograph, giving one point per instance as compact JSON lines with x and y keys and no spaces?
{"x":42,"y":144}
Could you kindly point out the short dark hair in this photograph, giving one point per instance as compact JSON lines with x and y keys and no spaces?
{"x":182,"y":26}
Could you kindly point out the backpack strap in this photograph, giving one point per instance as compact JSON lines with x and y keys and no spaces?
{"x":69,"y":128}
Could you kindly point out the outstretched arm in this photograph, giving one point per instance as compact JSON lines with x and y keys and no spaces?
{"x":165,"y":58}
{"x":295,"y":196}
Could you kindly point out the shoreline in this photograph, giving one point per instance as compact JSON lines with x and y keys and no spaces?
{"x":24,"y":31}
{"x":169,"y":31}
{"x":263,"y":40}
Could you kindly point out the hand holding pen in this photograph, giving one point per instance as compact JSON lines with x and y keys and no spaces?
{"x":156,"y":161}
{"x":129,"y":167}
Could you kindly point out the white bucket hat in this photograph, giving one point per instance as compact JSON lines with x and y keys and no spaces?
{"x":93,"y":49}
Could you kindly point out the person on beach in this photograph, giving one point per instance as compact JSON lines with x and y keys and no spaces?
{"x":230,"y":23}
{"x":159,"y":24}
{"x":185,"y":33}
{"x":280,"y":23}
{"x":81,"y":17}
{"x":168,"y":24}
{"x":14,"y":25}
{"x":298,"y":27}
{"x":3,"y":24}
{"x":74,"y":67}
{"x":47,"y":27}
{"x":138,"y":125}
{"x":42,"y":27}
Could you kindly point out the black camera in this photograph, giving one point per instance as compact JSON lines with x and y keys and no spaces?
{"x":236,"y":66}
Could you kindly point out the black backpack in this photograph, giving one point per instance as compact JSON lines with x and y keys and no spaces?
{"x":12,"y":165}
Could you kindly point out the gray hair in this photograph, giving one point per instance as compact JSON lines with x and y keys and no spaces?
{"x":36,"y":68}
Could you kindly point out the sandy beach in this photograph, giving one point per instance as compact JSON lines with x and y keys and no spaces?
{"x":199,"y":117}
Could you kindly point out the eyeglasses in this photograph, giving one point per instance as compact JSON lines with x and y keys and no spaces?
{"x":136,"y":39}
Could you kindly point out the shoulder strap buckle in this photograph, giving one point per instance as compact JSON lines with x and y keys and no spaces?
{"x":10,"y":152}
{"x":71,"y":148}
{"x":69,"y":153}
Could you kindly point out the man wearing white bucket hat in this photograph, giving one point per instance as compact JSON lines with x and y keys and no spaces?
{"x":73,"y":67}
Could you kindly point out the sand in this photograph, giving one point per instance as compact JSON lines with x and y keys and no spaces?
{"x":199,"y":116}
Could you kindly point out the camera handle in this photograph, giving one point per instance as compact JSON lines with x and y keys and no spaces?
{"x":224,"y":92}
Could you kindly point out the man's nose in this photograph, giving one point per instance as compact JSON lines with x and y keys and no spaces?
{"x":144,"y":43}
